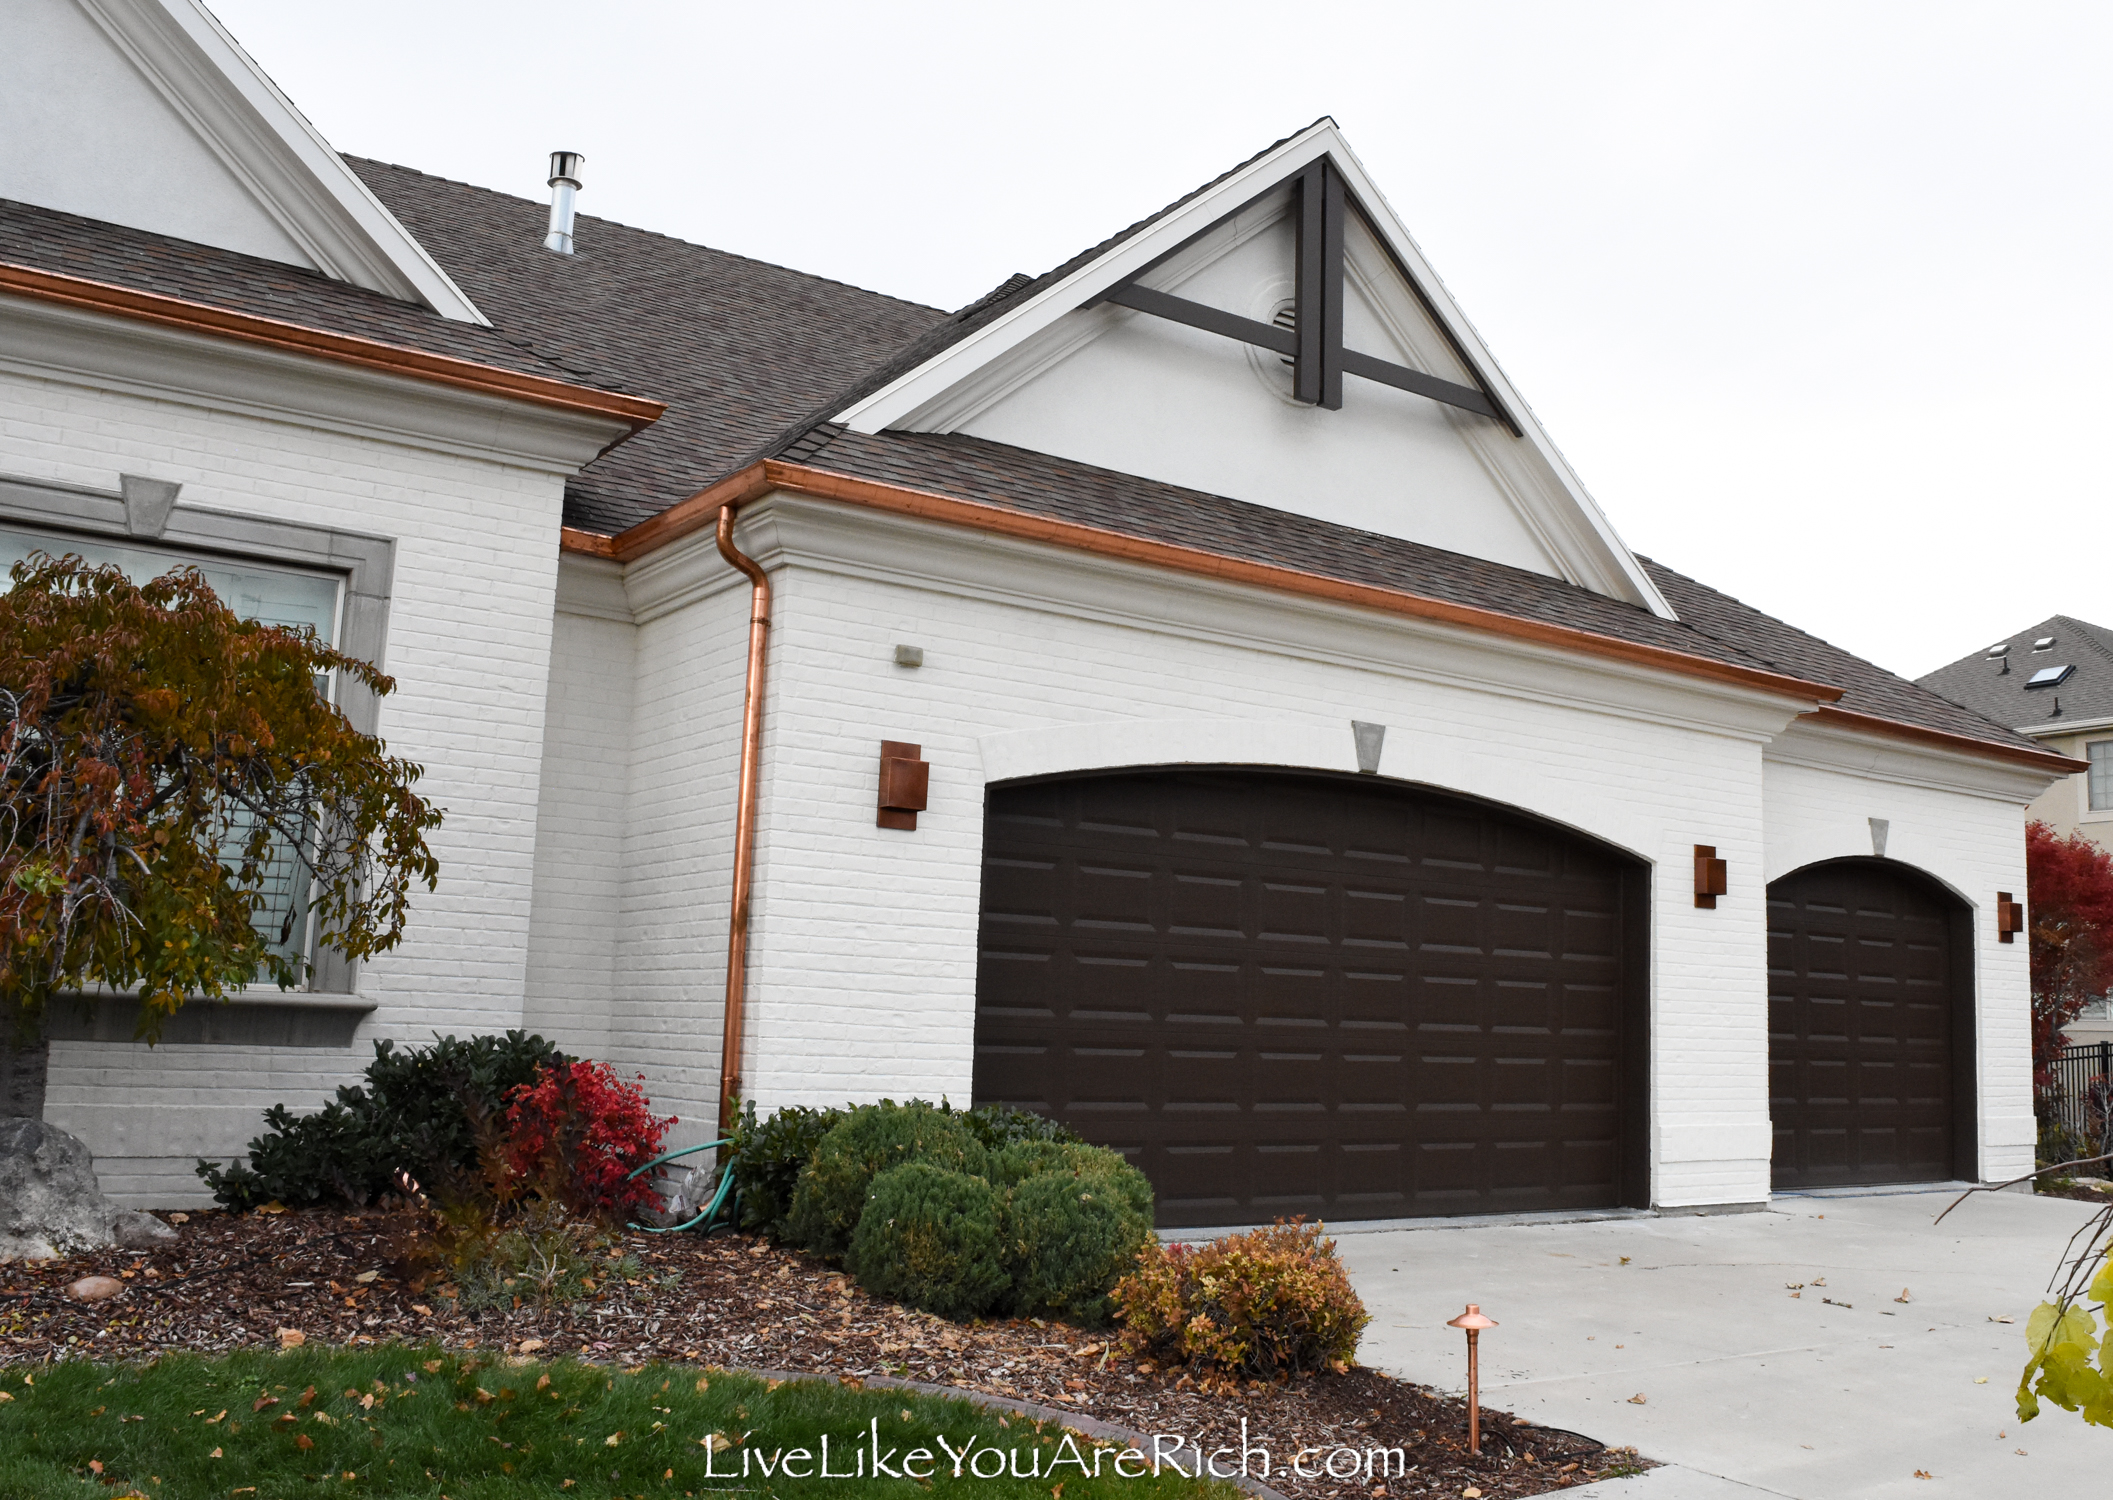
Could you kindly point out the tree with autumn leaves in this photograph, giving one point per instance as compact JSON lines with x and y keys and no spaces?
{"x":164,"y":764}
{"x":2069,"y":903}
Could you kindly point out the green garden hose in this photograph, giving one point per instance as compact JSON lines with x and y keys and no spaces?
{"x":719,"y":1198}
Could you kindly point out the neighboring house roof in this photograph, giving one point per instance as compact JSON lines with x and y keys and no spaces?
{"x":746,"y":354}
{"x":1980,"y":681}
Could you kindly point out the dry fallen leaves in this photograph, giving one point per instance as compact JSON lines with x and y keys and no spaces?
{"x":291,"y":1338}
{"x":1638,"y":1400}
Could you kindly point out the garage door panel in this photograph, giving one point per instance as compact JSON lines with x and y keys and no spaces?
{"x":1306,"y":994}
{"x":1864,"y":1005}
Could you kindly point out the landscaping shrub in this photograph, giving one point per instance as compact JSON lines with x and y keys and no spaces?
{"x":1071,"y":1229}
{"x":998,"y":1126}
{"x":767,"y":1157}
{"x":580,"y":1131}
{"x":929,"y":1238}
{"x":413,"y":1115}
{"x":1272,"y":1301}
{"x":865,"y":1143}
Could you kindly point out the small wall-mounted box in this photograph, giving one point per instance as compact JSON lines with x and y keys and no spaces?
{"x":2010,"y":917}
{"x":1710,"y":880}
{"x":905,"y":784}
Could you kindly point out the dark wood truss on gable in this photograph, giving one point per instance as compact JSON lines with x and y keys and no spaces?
{"x":1314,"y":342}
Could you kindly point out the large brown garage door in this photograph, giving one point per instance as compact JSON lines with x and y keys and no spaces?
{"x":1869,"y":1027}
{"x":1298,"y":994}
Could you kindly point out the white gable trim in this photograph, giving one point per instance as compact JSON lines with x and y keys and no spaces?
{"x":268,"y":146}
{"x":1578,"y":532}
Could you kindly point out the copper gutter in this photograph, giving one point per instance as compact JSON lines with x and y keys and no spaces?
{"x":1962,"y":744}
{"x":744,"y":818}
{"x":296,"y":338}
{"x":758,"y":479}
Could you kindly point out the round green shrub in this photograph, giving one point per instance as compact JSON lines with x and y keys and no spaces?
{"x":831,"y":1194}
{"x":1072,"y":1229}
{"x":929,"y":1238}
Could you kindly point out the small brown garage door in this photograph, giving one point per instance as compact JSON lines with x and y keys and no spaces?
{"x":1870,"y":1066}
{"x":1296,"y":994}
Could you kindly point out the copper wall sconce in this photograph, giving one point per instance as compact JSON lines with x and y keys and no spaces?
{"x":905,"y":784}
{"x":1709,"y":876}
{"x":2010,"y":917}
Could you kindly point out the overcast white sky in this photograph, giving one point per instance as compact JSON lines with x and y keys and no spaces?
{"x":1815,"y":297}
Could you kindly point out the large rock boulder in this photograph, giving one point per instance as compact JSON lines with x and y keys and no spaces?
{"x":51,"y":1203}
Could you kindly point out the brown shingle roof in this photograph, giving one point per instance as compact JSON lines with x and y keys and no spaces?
{"x":738,"y":348}
{"x":46,"y":240}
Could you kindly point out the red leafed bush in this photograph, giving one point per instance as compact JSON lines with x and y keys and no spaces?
{"x":2069,"y":897}
{"x":580,"y":1130}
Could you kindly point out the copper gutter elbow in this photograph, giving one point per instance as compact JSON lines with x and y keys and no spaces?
{"x":744,"y":818}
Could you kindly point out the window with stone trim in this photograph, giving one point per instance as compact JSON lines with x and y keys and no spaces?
{"x":336,"y":583}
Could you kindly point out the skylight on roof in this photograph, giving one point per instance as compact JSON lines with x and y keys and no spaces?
{"x":2049,"y":676}
{"x":2044,"y":643}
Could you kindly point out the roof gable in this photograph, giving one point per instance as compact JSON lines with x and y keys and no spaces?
{"x":1145,"y":355}
{"x":147,"y":114}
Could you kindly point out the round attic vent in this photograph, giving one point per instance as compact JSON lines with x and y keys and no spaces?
{"x":1274,"y":305}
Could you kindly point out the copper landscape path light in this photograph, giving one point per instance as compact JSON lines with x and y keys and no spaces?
{"x":1473,"y":1321}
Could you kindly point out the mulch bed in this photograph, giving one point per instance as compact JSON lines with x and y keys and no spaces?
{"x":234,"y":1281}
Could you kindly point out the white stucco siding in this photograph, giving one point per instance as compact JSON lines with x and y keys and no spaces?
{"x":863,"y":960}
{"x":89,"y":134}
{"x":1142,"y":395}
{"x":475,"y":529}
{"x":1963,"y":824}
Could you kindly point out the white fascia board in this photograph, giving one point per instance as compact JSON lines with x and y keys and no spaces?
{"x":51,"y":342}
{"x":1871,"y":756}
{"x":269,"y":146}
{"x":1593,"y":535}
{"x":2054,"y":727}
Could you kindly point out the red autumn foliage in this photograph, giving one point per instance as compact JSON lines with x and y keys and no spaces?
{"x":582,"y":1129}
{"x":2069,"y":904}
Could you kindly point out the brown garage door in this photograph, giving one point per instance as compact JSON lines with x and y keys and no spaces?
{"x":1295,"y":994}
{"x":1870,"y":1075}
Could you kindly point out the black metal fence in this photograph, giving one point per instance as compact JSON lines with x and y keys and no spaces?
{"x":2082,"y":1096}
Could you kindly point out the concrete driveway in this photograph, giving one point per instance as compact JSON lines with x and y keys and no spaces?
{"x":1841,"y":1390}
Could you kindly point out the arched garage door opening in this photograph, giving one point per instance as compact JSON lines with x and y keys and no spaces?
{"x":1298,"y":993}
{"x":1870,"y":1027}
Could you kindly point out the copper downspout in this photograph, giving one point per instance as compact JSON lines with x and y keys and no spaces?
{"x":744,"y":818}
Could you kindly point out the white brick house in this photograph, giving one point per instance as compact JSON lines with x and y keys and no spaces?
{"x":1317,"y":784}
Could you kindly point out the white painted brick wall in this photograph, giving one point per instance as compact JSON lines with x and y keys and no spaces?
{"x":863,"y":953}
{"x":469,"y":644}
{"x":1975,"y":845}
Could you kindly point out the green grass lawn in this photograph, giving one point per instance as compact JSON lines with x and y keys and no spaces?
{"x":394,"y":1420}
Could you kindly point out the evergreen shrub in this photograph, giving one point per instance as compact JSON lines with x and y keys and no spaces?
{"x":929,"y":1237}
{"x":414,"y":1114}
{"x":869,"y":1140}
{"x":767,"y":1157}
{"x":1072,"y":1229}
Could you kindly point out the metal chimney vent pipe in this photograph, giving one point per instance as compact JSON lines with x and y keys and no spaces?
{"x":565,"y":186}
